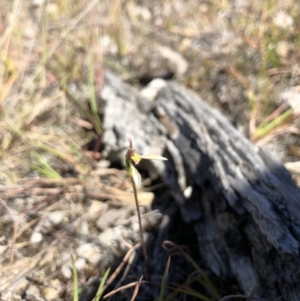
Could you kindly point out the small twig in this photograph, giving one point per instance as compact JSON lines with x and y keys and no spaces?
{"x":121,"y":288}
{"x":136,"y":289}
{"x":121,"y":265}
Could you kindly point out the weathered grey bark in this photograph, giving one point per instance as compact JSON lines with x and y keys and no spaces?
{"x":243,"y":204}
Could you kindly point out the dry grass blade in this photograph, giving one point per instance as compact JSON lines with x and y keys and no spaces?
{"x":136,"y":289}
{"x":124,"y":287}
{"x":121,"y":265}
{"x":140,"y":222}
{"x":170,"y":246}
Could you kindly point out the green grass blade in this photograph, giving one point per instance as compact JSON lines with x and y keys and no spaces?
{"x":51,"y":150}
{"x":102,"y":283}
{"x":44,"y":168}
{"x":262,"y":131}
{"x":193,"y":293}
{"x":164,"y":281}
{"x":75,"y":282}
{"x":204,"y":279}
{"x":172,"y":295}
{"x":93,"y":104}
{"x":206,"y":282}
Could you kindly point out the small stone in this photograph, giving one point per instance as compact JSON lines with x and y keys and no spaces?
{"x":56,"y":217}
{"x":20,"y":204}
{"x":95,"y":208}
{"x":175,"y":58}
{"x":51,"y":293}
{"x":108,"y":236}
{"x":108,"y":46}
{"x":90,"y":252}
{"x":33,"y":291}
{"x":283,"y":48}
{"x":139,"y":12}
{"x":292,"y":97}
{"x":84,"y":229}
{"x":37,"y":3}
{"x":66,"y":270}
{"x":283,"y":20}
{"x":111,"y":217}
{"x":150,"y":220}
{"x":188,"y":192}
{"x":29,"y":30}
{"x":153,"y":88}
{"x":52,"y":9}
{"x":36,"y":237}
{"x":80,"y":264}
{"x":103,"y":164}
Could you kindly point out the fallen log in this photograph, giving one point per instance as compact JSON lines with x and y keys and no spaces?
{"x":238,"y":199}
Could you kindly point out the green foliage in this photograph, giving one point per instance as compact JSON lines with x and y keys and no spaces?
{"x":94,"y":108}
{"x":164,"y":281}
{"x":43,"y":167}
{"x":75,"y":282}
{"x":101,"y":286}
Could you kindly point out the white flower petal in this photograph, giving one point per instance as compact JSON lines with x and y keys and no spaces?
{"x":136,"y":176}
{"x":153,"y":157}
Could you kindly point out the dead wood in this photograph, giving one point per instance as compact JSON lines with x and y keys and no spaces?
{"x":240,"y":200}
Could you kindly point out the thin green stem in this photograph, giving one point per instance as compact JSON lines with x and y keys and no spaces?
{"x":262,"y":131}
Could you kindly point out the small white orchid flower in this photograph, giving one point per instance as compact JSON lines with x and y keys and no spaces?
{"x":132,"y":159}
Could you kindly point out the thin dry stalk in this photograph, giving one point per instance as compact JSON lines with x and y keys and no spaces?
{"x":136,"y":289}
{"x":119,"y":268}
{"x":121,"y":288}
{"x":131,"y":159}
{"x":140,"y":222}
